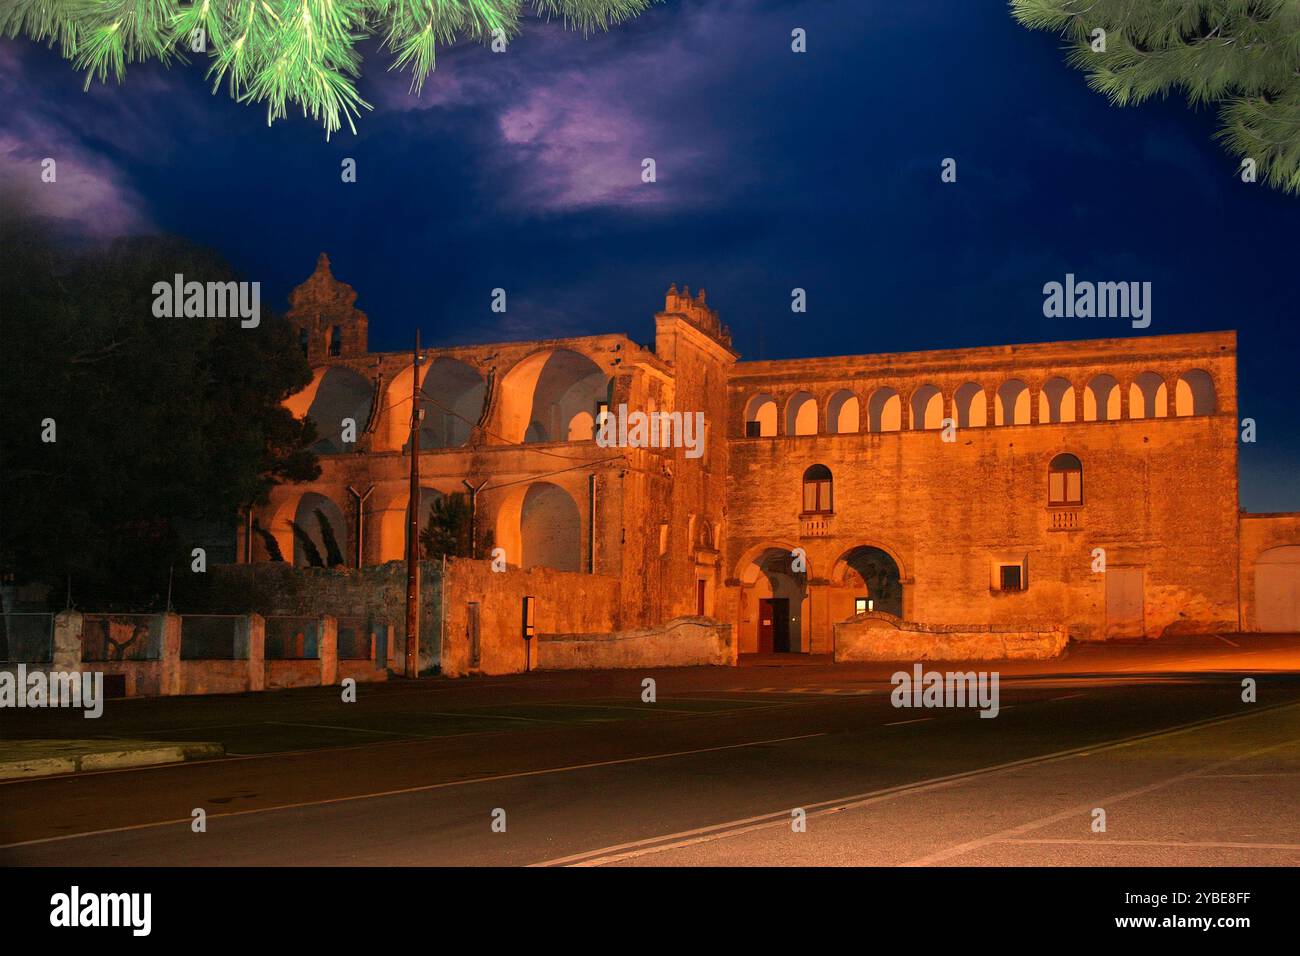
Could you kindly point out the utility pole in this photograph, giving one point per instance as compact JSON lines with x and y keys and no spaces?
{"x":413,"y":526}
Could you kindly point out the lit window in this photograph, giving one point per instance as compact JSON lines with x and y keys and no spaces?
{"x":1065,"y":481}
{"x":817,"y":490}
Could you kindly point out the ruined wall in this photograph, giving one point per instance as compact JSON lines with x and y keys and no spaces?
{"x":882,"y":637}
{"x":683,"y":642}
{"x":375,"y":593}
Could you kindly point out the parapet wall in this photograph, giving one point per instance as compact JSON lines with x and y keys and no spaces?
{"x":682,"y":642}
{"x":876,"y":636}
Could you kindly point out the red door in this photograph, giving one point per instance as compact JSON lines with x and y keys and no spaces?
{"x":765,"y":630}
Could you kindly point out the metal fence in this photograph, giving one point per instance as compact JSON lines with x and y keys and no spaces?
{"x":26,"y":637}
{"x":121,"y":637}
{"x":214,"y":637}
{"x":292,"y":638}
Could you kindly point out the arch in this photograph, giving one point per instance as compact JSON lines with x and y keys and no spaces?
{"x":452,"y":395}
{"x":801,"y":414}
{"x":818,"y":486}
{"x":760,"y":411}
{"x":543,"y":395}
{"x":389,"y":522}
{"x":1064,"y":480}
{"x":539,"y":525}
{"x":1012,"y":406}
{"x":333,"y":530}
{"x":765,"y":573}
{"x":1148,"y":397}
{"x":926,"y":408}
{"x":876,"y":571}
{"x":843,"y":413}
{"x":335,"y":393}
{"x":1194,"y":393}
{"x":971,"y":406}
{"x":1101,"y":399}
{"x":884,"y":410}
{"x":1056,"y":401}
{"x":1277,"y":589}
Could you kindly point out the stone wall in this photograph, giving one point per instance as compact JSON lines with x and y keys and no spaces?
{"x":566,"y":602}
{"x":876,"y":636}
{"x":1261,"y":533}
{"x":683,"y":642}
{"x":376,"y":593}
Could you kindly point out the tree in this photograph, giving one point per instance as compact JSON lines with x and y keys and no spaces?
{"x":447,"y":531}
{"x":1242,"y":55}
{"x":281,"y":52}
{"x":126,"y":439}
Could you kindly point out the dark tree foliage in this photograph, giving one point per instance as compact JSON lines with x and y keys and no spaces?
{"x":165,"y":427}
{"x":268,"y":540}
{"x":309,"y":549}
{"x":333,"y":553}
{"x":447,"y":531}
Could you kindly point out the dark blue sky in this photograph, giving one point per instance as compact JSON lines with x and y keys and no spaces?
{"x":775,"y":170}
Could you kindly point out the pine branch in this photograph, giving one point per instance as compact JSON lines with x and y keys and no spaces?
{"x":283,"y":53}
{"x":1242,"y":55}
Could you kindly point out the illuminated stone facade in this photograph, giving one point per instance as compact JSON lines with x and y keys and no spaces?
{"x":1091,"y":484}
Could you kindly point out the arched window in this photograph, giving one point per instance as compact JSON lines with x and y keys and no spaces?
{"x":760,"y":417}
{"x":1065,"y":481}
{"x":336,"y":340}
{"x":817,"y":490}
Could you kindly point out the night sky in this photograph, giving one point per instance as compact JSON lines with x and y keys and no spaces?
{"x":775,"y":170}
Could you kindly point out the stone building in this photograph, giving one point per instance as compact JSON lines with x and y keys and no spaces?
{"x":1088,"y":483}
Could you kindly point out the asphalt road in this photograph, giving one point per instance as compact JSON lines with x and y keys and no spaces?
{"x":582,"y":771}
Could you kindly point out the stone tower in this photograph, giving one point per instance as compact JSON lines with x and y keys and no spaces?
{"x":323,"y":312}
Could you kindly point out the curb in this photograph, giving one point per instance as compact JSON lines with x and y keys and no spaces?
{"x":92,"y":760}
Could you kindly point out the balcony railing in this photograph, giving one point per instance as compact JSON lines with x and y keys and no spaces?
{"x":1067,"y":520}
{"x":816,"y":525}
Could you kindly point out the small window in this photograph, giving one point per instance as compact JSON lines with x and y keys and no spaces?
{"x":862,"y":605}
{"x":817,"y":490}
{"x":1011,"y":578}
{"x":700,"y":586}
{"x":336,"y":341}
{"x":753,"y":429}
{"x":1065,"y":481}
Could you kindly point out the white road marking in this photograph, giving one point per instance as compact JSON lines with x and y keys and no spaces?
{"x":1169,"y":843}
{"x":422,"y":789}
{"x":900,"y":723}
{"x":779,"y":818}
{"x":1081,"y":811}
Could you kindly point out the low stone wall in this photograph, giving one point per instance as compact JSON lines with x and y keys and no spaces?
{"x":682,"y":642}
{"x":375,"y":592}
{"x":292,"y":673}
{"x":876,"y":636}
